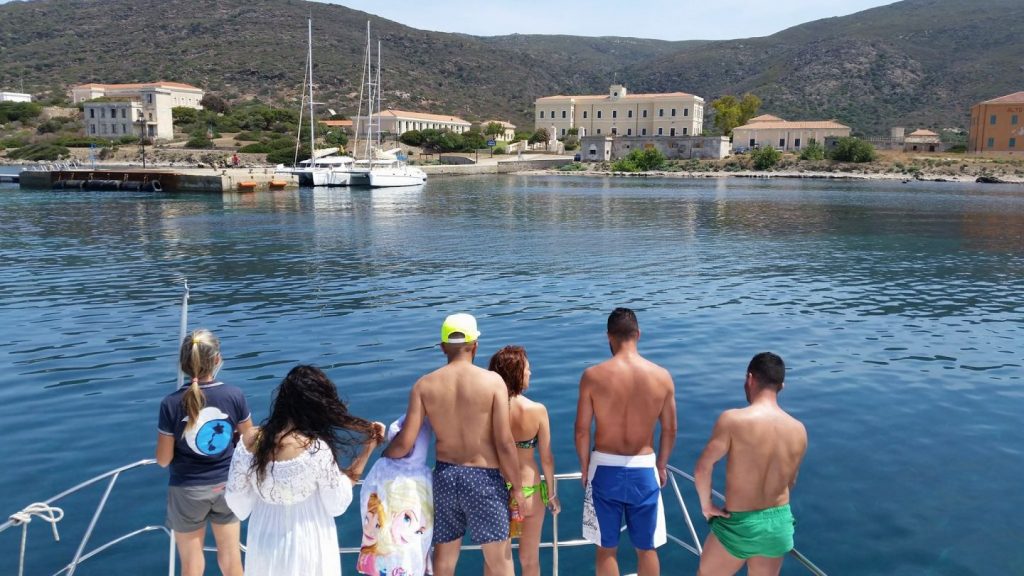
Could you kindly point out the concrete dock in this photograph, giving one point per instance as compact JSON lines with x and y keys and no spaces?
{"x":187,"y":180}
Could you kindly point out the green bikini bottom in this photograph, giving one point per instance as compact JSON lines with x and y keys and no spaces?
{"x":767,"y":532}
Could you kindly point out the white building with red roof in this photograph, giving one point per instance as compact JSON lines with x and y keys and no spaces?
{"x":116,"y":110}
{"x":620,"y":113}
{"x":768,"y":130}
{"x":401,"y":121}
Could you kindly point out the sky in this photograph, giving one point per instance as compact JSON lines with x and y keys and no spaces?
{"x":659,"y":19}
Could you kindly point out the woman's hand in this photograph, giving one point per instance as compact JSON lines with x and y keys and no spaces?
{"x":377,"y":436}
{"x":554,"y":505}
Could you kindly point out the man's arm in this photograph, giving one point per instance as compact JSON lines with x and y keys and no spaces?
{"x":718,"y":447}
{"x":584,"y":416}
{"x":669,"y":427}
{"x":504,"y":443}
{"x":403,"y":443}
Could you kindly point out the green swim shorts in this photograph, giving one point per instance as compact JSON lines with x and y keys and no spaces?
{"x":767,"y":532}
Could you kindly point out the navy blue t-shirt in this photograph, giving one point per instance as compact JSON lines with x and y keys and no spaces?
{"x":202,"y":455}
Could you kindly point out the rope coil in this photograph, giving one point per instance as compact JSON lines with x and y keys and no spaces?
{"x":43,"y":511}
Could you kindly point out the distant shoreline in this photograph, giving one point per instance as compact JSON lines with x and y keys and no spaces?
{"x":789,"y":174}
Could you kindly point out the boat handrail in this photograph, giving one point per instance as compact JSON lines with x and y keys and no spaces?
{"x":691,"y":542}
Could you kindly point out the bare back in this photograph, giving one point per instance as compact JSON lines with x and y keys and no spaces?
{"x":766,"y":446}
{"x":628,"y":394}
{"x":459,"y":400}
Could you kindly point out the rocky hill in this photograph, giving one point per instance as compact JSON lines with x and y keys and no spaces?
{"x":914,"y":63}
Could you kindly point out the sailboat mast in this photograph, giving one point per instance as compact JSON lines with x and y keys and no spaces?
{"x":369,"y":97}
{"x":362,"y":86}
{"x":312,"y":118}
{"x":379,"y":119}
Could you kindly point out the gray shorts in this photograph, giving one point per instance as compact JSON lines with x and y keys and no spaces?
{"x":188,"y":507}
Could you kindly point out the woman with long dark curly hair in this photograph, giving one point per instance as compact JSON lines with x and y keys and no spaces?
{"x":529,"y":421}
{"x":287,"y":474}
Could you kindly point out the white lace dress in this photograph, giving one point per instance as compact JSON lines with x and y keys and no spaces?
{"x":291,"y":527}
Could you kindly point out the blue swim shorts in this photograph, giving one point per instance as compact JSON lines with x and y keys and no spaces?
{"x":620,"y":486}
{"x":469,"y":497}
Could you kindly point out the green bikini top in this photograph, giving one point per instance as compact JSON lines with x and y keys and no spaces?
{"x":527,"y":444}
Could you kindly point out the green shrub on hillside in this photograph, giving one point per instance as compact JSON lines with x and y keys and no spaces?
{"x":765,"y":158}
{"x":255,"y":148}
{"x":500,"y":148}
{"x":852,"y":149}
{"x":813,"y":151}
{"x":640,"y":161}
{"x":36,"y":152}
{"x":82,"y":141}
{"x":19,"y":111}
{"x":286,"y":155}
{"x":411,"y":138}
{"x":199,"y":140}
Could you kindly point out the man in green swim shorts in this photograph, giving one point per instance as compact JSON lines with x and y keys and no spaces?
{"x":765,"y":446}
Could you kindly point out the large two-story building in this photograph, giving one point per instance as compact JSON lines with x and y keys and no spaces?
{"x":398,"y":122}
{"x":620,"y":113}
{"x":997,"y":125}
{"x":115,"y":110}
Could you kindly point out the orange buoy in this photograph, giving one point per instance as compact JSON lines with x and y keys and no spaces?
{"x":278,"y":184}
{"x":247,"y":186}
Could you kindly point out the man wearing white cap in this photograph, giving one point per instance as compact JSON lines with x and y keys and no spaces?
{"x":468,"y":408}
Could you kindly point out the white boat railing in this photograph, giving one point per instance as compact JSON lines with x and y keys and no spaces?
{"x":689,"y":542}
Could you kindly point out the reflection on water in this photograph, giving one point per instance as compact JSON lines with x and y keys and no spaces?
{"x":897,"y":306}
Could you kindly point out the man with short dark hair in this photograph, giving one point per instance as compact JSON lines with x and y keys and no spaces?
{"x":765,"y":446}
{"x":626,"y":396}
{"x":467,"y":407}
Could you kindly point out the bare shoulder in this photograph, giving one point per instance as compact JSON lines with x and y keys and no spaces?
{"x":534,"y":407}
{"x":250,"y":438}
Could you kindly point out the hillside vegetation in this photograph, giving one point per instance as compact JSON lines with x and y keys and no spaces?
{"x":914,"y":63}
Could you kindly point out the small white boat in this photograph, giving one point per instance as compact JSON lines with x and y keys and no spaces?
{"x":326,"y":169}
{"x":388,"y":170}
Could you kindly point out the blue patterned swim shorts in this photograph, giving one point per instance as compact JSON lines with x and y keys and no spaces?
{"x":469,"y":497}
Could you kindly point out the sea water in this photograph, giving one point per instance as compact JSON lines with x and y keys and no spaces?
{"x":897,"y":307}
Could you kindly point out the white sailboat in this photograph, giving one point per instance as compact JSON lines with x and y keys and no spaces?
{"x":382,"y":168}
{"x":325,"y":167}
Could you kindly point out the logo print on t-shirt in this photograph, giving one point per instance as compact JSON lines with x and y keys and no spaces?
{"x":212,"y":433}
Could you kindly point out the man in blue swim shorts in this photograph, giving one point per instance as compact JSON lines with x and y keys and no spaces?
{"x":625,"y":398}
{"x":467,"y":407}
{"x":765,"y":446}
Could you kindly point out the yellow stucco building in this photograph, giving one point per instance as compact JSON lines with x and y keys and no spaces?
{"x":620,"y":113}
{"x":997,"y":125}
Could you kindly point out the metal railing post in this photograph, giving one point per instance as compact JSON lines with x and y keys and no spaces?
{"x":92,"y":524}
{"x":554,"y":538}
{"x":171,"y":556}
{"x":686,"y":513}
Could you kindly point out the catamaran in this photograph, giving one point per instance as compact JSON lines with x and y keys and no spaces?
{"x":325,"y":167}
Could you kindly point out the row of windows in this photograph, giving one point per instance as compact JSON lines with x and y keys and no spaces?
{"x":782,"y":143}
{"x":992,"y":143}
{"x":629,"y":113}
{"x":103,"y":112}
{"x":113,"y":129}
{"x":1013,"y":120}
{"x":643,"y":131}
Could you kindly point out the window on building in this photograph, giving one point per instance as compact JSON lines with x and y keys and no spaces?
{"x":643,"y":131}
{"x":629,"y":113}
{"x":782,"y":142}
{"x":615,"y":131}
{"x":629,"y":131}
{"x":103,"y":112}
{"x":672,"y":132}
{"x":660,"y":131}
{"x":1013,"y":119}
{"x":124,"y":112}
{"x":673,"y":112}
{"x":150,"y":116}
{"x":541,"y":113}
{"x":686,"y":111}
{"x":103,"y":129}
{"x":124,"y":128}
{"x":644,"y":113}
{"x":598,"y":130}
{"x":615,"y":113}
{"x":552,"y":113}
{"x":563,"y":131}
{"x":661,"y":112}
{"x":796,"y":143}
{"x":599,"y":114}
{"x":563,"y":113}
{"x":991,"y":143}
{"x":1013,"y":142}
{"x":92,"y":114}
{"x":92,"y":128}
{"x":992,"y":119}
{"x":752,"y":143}
{"x":584,"y":114}
{"x":113,"y":112}
{"x":685,"y":131}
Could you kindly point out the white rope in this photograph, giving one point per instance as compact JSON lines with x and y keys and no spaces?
{"x":42,"y":511}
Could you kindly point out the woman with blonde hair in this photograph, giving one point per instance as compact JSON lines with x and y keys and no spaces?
{"x":532,"y":432}
{"x":286,"y":477}
{"x":198,"y":427}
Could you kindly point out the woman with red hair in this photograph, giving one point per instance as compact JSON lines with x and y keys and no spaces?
{"x":532,"y":432}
